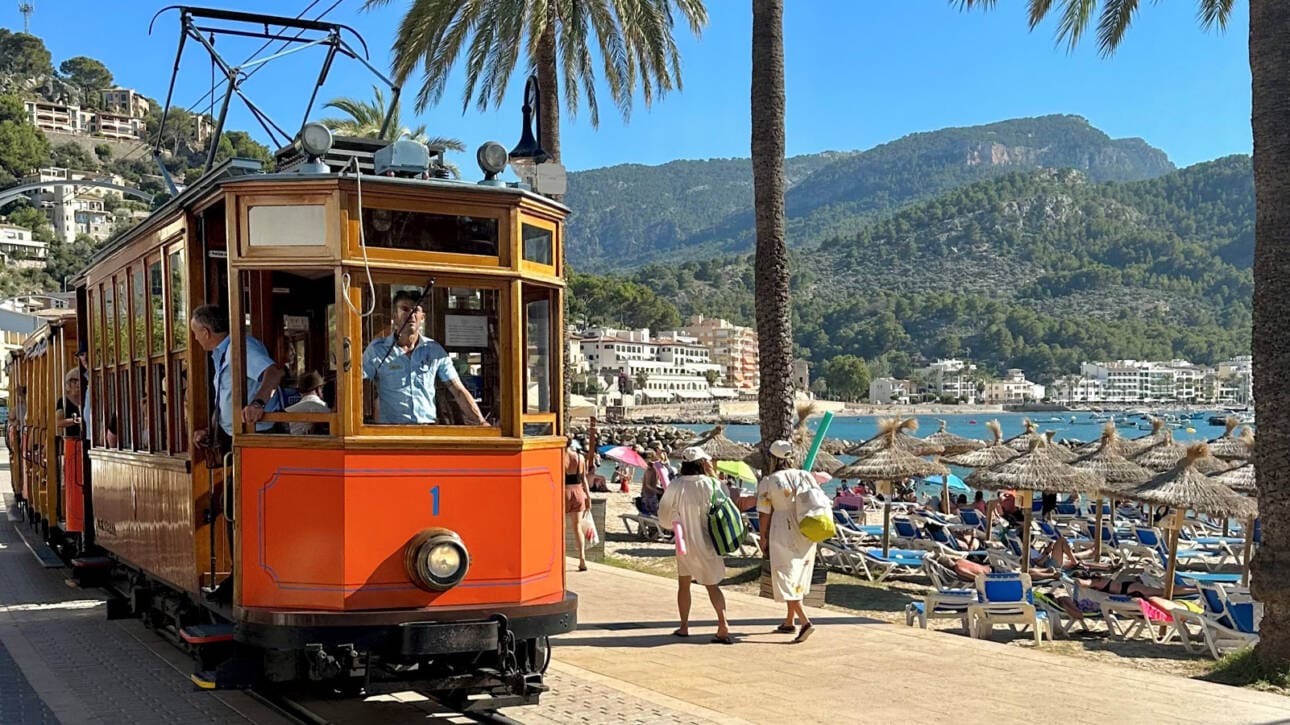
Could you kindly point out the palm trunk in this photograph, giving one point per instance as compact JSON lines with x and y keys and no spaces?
{"x":774,"y":325}
{"x":549,"y":113}
{"x":1270,"y":73}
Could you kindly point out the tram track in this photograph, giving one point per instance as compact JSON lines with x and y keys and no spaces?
{"x":407,"y":707}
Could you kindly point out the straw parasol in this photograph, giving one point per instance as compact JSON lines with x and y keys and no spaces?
{"x":1021,"y":442}
{"x":903,"y":437}
{"x":994,"y":453}
{"x":1142,"y":443}
{"x":1241,"y":479}
{"x":952,"y":444}
{"x":1114,"y":469}
{"x":1059,"y":451}
{"x":1185,"y":487}
{"x":1035,"y":470}
{"x":888,"y":461}
{"x":801,"y":439}
{"x":716,"y":444}
{"x":1164,"y":455}
{"x":1229,"y":447}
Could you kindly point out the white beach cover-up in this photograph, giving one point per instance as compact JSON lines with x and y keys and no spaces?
{"x":792,"y":555}
{"x":687,"y":499}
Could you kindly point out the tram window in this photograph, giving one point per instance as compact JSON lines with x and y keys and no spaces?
{"x":179,"y":404}
{"x":430,"y":355}
{"x":96,"y":326}
{"x":123,"y":320}
{"x":109,"y":324}
{"x":538,"y":362}
{"x":157,"y":309}
{"x":426,"y":232}
{"x":158,"y":402}
{"x":178,"y":301}
{"x":287,"y":226}
{"x":125,"y":411}
{"x":539,"y":244}
{"x":142,"y":410}
{"x":139,"y":308}
{"x":109,"y":418}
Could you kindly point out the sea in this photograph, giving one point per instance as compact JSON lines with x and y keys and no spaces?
{"x":1072,"y":426}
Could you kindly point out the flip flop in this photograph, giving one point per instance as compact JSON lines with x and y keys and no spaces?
{"x":807,"y":630}
{"x":679,"y":633}
{"x":786,"y":629}
{"x":723,"y":640}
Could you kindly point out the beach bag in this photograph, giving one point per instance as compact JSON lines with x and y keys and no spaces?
{"x":814,"y":513}
{"x":588,"y":526}
{"x":725,"y":522}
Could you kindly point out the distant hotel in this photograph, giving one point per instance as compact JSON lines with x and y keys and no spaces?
{"x":1146,"y":382}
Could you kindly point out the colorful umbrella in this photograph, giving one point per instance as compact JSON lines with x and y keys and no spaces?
{"x":738,"y":469}
{"x":623,"y":454}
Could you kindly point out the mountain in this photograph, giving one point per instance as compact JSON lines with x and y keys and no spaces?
{"x":627,"y":216}
{"x":1040,"y":270}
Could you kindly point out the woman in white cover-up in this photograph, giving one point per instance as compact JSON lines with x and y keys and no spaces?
{"x":792,"y":555}
{"x":687,"y":500}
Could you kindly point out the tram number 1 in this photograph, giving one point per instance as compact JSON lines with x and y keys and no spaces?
{"x":434,"y":501}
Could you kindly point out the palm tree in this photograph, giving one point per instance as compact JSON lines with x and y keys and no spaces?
{"x":366,"y":117}
{"x":1270,"y":85}
{"x":774,"y":324}
{"x":634,"y":38}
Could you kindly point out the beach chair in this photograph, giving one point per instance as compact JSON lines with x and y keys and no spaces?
{"x":877,"y":567}
{"x":972,"y":517}
{"x":644,"y":525}
{"x":1225,"y":548}
{"x":1228,"y":625}
{"x":944,"y":602}
{"x":1152,"y":539}
{"x":844,"y":521}
{"x":1067,"y":510}
{"x":1050,"y":530}
{"x":950,"y":544}
{"x":1006,"y":599}
{"x":837,"y":555}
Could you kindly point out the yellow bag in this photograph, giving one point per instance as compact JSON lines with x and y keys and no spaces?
{"x":817,"y":527}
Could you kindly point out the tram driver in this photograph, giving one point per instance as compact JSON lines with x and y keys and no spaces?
{"x":209,"y":326}
{"x":405,"y":365}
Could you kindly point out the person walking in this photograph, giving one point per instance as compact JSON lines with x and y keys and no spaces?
{"x":792,"y":555}
{"x":687,"y":500}
{"x":577,"y":496}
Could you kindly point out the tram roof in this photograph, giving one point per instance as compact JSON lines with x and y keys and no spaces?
{"x":235,"y":170}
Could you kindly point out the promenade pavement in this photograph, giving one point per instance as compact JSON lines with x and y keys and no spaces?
{"x":859,"y":670}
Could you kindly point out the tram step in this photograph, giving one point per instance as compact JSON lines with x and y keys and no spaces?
{"x":45,"y":555}
{"x":207,"y":633}
{"x":92,"y":562}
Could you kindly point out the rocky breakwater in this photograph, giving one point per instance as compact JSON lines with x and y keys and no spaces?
{"x":646,"y":437}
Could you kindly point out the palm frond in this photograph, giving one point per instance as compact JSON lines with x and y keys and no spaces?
{"x":1116,"y":17}
{"x":1214,"y":13}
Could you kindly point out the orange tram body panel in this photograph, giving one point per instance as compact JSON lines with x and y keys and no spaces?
{"x":357,"y":536}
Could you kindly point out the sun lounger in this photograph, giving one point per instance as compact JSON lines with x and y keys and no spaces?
{"x":1006,"y":599}
{"x":877,"y":567}
{"x":1226,"y":625}
{"x":1152,"y":539}
{"x":646,"y":527}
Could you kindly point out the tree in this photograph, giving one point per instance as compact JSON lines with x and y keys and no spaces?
{"x":239,"y":144}
{"x":1270,"y":86}
{"x":24,"y":56}
{"x":364,"y":120}
{"x":634,"y":38}
{"x":11,"y":109}
{"x":35,"y":220}
{"x":22,"y":148}
{"x":73,"y":156}
{"x":640,"y":379}
{"x":712,"y":376}
{"x":848,"y":377}
{"x":774,"y":321}
{"x":103,"y":151}
{"x":89,"y":75}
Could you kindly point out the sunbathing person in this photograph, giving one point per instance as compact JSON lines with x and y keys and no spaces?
{"x":1129,"y":587}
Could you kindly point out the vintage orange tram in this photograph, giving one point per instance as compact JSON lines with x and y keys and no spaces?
{"x":362,"y":541}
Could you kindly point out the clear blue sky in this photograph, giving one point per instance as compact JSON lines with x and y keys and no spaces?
{"x":859,"y":74}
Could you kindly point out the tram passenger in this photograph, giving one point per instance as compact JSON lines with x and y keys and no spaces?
{"x":404,"y":366}
{"x":209,"y":326}
{"x":311,"y":401}
{"x":68,"y":420}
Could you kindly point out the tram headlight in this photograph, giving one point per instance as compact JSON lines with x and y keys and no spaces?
{"x":492,"y":158}
{"x":315,"y":139}
{"x":436,"y":560}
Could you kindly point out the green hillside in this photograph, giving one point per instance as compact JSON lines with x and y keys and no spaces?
{"x":628,"y":216}
{"x":1040,"y":270}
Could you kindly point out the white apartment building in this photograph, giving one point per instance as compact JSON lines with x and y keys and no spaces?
{"x":1147,"y":382}
{"x":125,"y":101}
{"x":1076,"y":389}
{"x":951,"y":378}
{"x":1234,"y":381}
{"x":18,"y":249}
{"x":731,"y":346}
{"x":57,"y":117}
{"x":1013,"y":388}
{"x":672,"y":367}
{"x":890,"y":390}
{"x":72,"y":213}
{"x":117,"y":126}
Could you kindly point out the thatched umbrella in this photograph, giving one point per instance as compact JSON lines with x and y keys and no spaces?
{"x":952,"y":444}
{"x":1185,"y":487}
{"x":989,"y":455}
{"x":1163,"y":456}
{"x":801,"y":440}
{"x":904,"y":438}
{"x":1114,"y":469}
{"x":1142,"y":443}
{"x":885,"y":462}
{"x":1229,"y":447}
{"x":716,"y":444}
{"x":1242,"y":479}
{"x":1059,"y":451}
{"x":1035,"y":470}
{"x":1021,"y":442}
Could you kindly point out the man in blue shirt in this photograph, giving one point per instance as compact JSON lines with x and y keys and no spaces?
{"x":404,"y":370}
{"x":209,"y":326}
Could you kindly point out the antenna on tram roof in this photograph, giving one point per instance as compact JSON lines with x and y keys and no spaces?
{"x":198,"y":24}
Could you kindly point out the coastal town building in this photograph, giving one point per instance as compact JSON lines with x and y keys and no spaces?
{"x":1013,"y":388}
{"x":731,"y":346}
{"x":638,"y":368}
{"x":1075,"y":389}
{"x":952,"y":378}
{"x":73,"y":208}
{"x":75,"y":121}
{"x":1151,"y":382}
{"x":19,"y":249}
{"x":890,"y":390}
{"x":125,"y":101}
{"x":802,"y":376}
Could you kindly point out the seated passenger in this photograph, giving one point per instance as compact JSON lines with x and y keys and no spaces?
{"x":209,"y":326}
{"x":311,"y":401}
{"x":404,"y":367}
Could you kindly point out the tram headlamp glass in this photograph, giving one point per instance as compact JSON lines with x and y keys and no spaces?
{"x":315,"y":139}
{"x":492,"y":158}
{"x":436,"y":560}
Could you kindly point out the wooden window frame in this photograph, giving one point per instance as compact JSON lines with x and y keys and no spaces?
{"x":329,"y":250}
{"x":414,"y":259}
